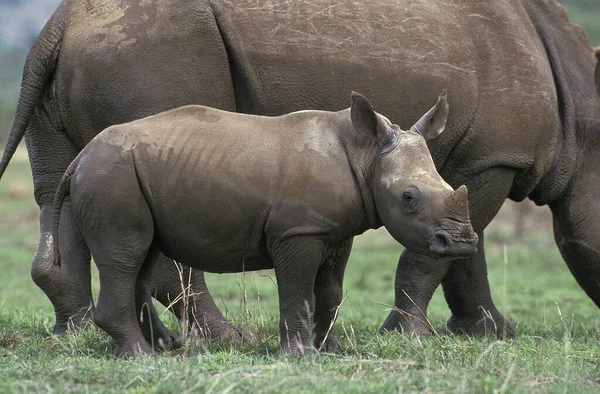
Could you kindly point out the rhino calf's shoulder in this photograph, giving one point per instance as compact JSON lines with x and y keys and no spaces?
{"x":228,"y":192}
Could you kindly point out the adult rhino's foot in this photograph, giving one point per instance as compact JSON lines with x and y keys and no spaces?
{"x":222,"y":331}
{"x":204,"y":319}
{"x":160,"y":336}
{"x":73,"y":305}
{"x":167,"y":341}
{"x":134,"y":349}
{"x":406,"y":323}
{"x":73,"y":324}
{"x":485,"y":324}
{"x":295,"y":348}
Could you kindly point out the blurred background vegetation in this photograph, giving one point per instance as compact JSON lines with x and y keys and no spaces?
{"x":21,"y":20}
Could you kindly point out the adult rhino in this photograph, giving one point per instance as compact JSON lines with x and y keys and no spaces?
{"x":520,"y":77}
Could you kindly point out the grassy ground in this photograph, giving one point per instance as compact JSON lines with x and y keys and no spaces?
{"x":556,"y":349}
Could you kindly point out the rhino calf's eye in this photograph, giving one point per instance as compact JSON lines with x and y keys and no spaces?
{"x":410,"y":198}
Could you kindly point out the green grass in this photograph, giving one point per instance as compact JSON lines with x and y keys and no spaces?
{"x":556,"y":349}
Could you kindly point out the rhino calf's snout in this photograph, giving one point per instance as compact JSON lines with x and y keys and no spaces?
{"x":443,"y":244}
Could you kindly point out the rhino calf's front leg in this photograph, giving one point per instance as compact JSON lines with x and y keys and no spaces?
{"x":328,"y":295}
{"x":296,"y":261}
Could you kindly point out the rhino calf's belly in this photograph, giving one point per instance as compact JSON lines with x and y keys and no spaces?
{"x":210,"y":255}
{"x":209,"y":229}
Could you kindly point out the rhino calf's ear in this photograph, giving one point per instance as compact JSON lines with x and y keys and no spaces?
{"x":597,"y":74}
{"x":365,"y":121}
{"x":434,"y":121}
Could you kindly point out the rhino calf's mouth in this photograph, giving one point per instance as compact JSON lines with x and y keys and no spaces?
{"x":442,"y":244}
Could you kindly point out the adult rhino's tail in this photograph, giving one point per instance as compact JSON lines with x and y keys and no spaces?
{"x":37,"y":74}
{"x":63,"y":190}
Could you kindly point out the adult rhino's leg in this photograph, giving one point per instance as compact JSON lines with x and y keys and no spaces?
{"x":466,"y":286}
{"x":328,"y":295}
{"x":577,"y":233}
{"x":417,"y":277}
{"x":168,"y":285}
{"x":68,"y":286}
{"x":464,"y":281}
{"x":153,"y":329}
{"x":477,"y":313}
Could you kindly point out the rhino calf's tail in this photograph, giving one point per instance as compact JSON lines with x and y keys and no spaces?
{"x":63,"y":190}
{"x":37,"y":74}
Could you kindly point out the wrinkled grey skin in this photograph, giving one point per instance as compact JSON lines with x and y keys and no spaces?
{"x":227,"y":192}
{"x":55,"y":134}
{"x":525,"y":110}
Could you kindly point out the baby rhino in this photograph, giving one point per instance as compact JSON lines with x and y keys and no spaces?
{"x":229,"y":192}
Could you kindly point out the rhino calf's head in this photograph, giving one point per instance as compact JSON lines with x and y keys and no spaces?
{"x":418,"y":208}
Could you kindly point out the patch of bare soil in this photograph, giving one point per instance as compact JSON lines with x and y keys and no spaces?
{"x":11,"y":341}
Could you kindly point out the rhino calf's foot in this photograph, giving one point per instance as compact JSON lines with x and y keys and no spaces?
{"x":485,"y":324}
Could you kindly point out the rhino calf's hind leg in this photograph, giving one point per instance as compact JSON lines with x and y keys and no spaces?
{"x":118,"y":228}
{"x":116,"y":308}
{"x":328,"y":295}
